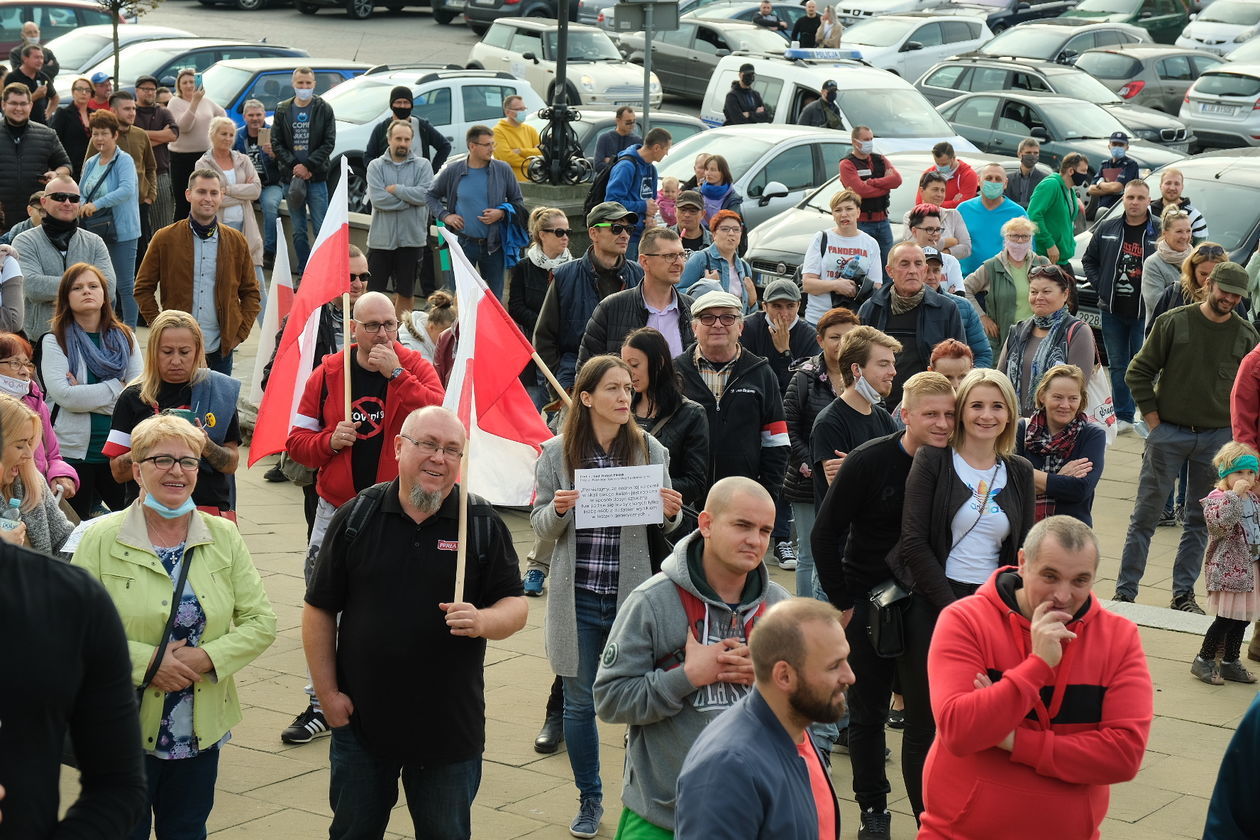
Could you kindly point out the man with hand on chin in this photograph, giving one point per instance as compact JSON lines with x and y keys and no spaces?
{"x":388,"y":568}
{"x":1037,"y":690}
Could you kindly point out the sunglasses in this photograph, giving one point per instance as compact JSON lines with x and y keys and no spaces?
{"x":1211,"y":252}
{"x":708,"y":320}
{"x":560,"y":232}
{"x":616,"y":229}
{"x":365,"y":277}
{"x":73,"y":198}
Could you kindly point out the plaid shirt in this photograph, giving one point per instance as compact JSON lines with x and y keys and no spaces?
{"x":716,"y":376}
{"x":598,"y":549}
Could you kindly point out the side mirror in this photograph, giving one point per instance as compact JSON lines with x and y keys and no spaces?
{"x":1023,"y":7}
{"x":1145,"y":15}
{"x":774,"y":189}
{"x":529,"y":56}
{"x":1039,"y":134}
{"x":1067,"y":57}
{"x":911,"y":46}
{"x":723,"y":52}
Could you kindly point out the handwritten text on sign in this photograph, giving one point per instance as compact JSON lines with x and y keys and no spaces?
{"x":619,"y":496}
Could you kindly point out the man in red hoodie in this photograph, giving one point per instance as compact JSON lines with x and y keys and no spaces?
{"x":961,"y":181}
{"x":1041,"y":697}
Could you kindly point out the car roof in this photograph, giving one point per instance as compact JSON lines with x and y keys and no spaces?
{"x":927,"y":14}
{"x":871,"y":76}
{"x":78,"y":4}
{"x":282,"y":62}
{"x":1232,"y":165}
{"x":416,"y":74}
{"x":1234,"y":70}
{"x":1040,"y":64}
{"x":142,"y":29}
{"x":545,"y":24}
{"x":777,"y":133}
{"x":1076,"y":23}
{"x":702,"y":15}
{"x":591,"y":115}
{"x":200,"y":43}
{"x":1148,"y":50}
{"x":1026,"y":95}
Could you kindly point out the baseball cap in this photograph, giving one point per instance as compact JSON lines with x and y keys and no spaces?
{"x":690,"y":198}
{"x":930,"y":253}
{"x":609,"y":211}
{"x":781,"y":289}
{"x":1228,"y":277}
{"x":747,"y":68}
{"x":830,"y":84}
{"x":1120,"y":137}
{"x":144,"y":79}
{"x":101,"y":77}
{"x":716,"y":300}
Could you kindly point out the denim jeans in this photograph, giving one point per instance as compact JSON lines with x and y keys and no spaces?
{"x":317,"y":205}
{"x":181,"y":796}
{"x":1123,"y":339}
{"x":216,"y":360}
{"x":807,"y":585}
{"x":882,"y":233}
{"x":490,"y":265}
{"x":364,"y":789}
{"x":270,"y":203}
{"x":782,"y":519}
{"x":1167,"y":448}
{"x":123,"y":256}
{"x":595,"y":614}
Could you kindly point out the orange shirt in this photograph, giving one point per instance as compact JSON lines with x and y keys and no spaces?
{"x":824,"y":800}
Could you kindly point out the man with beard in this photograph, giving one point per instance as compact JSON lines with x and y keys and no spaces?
{"x":387,"y":383}
{"x":427,"y":141}
{"x":1194,"y":353}
{"x":398,"y":183}
{"x":30,"y":154}
{"x":388,"y":568}
{"x":754,"y":772}
{"x":677,"y":654}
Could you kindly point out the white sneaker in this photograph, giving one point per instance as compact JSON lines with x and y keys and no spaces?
{"x":1123,"y":427}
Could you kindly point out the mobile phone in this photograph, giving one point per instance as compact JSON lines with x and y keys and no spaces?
{"x":264,"y":136}
{"x":197,"y":80}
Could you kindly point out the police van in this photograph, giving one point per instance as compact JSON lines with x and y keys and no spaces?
{"x":899,"y":115}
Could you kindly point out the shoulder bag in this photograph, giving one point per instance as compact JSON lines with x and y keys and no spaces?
{"x":102,"y":221}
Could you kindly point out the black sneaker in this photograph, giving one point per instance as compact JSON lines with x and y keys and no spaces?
{"x":275,"y":475}
{"x":1167,"y":519}
{"x":1186,"y":603}
{"x":876,"y":825}
{"x":896,"y":718}
{"x":306,"y":727}
{"x":1121,"y":598}
{"x":785,"y":554}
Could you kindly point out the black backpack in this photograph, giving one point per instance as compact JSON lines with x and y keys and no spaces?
{"x":599,"y":187}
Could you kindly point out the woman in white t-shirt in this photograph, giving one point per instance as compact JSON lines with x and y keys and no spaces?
{"x":843,"y":265}
{"x":968,"y":506}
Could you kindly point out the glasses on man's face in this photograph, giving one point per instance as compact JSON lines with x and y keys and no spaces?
{"x":18,"y":364}
{"x":362,"y":277}
{"x":430,"y":448}
{"x":483,"y":145}
{"x":669,"y":256}
{"x":373,"y":327}
{"x":166,"y":462}
{"x":617,"y":230}
{"x":708,"y":319}
{"x":562,"y":233}
{"x":73,"y":198}
{"x":146,"y":89}
{"x":930,"y":230}
{"x":1211,"y":252}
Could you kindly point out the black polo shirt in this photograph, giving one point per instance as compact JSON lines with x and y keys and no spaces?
{"x":396,"y":658}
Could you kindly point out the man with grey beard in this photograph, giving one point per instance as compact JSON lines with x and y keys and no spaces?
{"x":387,"y":566}
{"x":387,"y":383}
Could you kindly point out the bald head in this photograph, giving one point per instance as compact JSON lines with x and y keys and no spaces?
{"x":434,"y":419}
{"x":727,"y":489}
{"x":370,"y":304}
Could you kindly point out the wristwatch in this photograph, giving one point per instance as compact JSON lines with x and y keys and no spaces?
{"x":397,"y":372}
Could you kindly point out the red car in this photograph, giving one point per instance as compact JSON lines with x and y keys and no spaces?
{"x":55,"y":17}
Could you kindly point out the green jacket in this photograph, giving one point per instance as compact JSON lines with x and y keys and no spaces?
{"x":1053,"y":208}
{"x":993,"y":280}
{"x":240,"y":623}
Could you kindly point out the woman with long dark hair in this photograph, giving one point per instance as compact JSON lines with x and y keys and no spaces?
{"x":718,"y":188}
{"x":70,"y":121}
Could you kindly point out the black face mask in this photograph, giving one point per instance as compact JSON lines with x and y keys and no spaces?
{"x":1079,"y":178}
{"x":401,"y":113}
{"x":829,"y":95}
{"x":748,"y":78}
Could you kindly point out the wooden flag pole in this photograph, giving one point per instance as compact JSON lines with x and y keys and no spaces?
{"x":551,"y":377}
{"x":345,"y":345}
{"x":461,"y":550}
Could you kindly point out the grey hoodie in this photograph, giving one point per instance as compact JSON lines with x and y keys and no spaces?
{"x":399,"y":219}
{"x":666,"y":713}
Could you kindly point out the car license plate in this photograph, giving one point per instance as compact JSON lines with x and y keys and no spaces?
{"x":1094,"y":319}
{"x":1179,"y":148}
{"x":1209,"y":108}
{"x":455,"y":4}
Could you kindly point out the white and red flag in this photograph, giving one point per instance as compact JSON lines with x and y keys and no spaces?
{"x":505,"y":430}
{"x":279,"y":304}
{"x":326,"y":278}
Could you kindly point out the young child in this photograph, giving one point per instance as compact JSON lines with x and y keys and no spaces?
{"x":1232,"y":514}
{"x":666,"y":200}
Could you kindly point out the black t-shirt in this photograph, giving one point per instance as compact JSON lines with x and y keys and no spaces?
{"x":213,"y":487}
{"x":839,"y":427}
{"x":368,"y":390}
{"x":39,"y":108}
{"x":396,"y":658}
{"x":1127,"y":295}
{"x":691,"y":246}
{"x":806,"y":31}
{"x":905,"y":328}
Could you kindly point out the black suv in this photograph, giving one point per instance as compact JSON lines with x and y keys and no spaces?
{"x":481,"y":13}
{"x":1003,"y":14}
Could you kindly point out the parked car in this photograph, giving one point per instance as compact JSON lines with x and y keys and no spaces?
{"x":1223,"y":106}
{"x":269,"y":80}
{"x":1154,"y":76}
{"x":1163,"y":19}
{"x":597,"y":74}
{"x":55,"y":18}
{"x":852,"y":11}
{"x":481,"y":13}
{"x":1061,"y":39}
{"x":168,"y":56}
{"x":1222,"y":27}
{"x":451,"y":98}
{"x":1001,"y":15}
{"x":684,"y":58}
{"x":975,"y":74}
{"x":898,"y":114}
{"x":789,"y":13}
{"x":81,"y":49}
{"x":595,"y":124}
{"x":998,"y":122}
{"x":1246,"y":53}
{"x":909,"y":44}
{"x":357,"y":9}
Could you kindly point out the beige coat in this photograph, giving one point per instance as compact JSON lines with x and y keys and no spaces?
{"x":247,"y":188}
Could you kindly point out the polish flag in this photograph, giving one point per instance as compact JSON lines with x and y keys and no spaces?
{"x":326,"y":278}
{"x":505,"y":430}
{"x":279,"y":304}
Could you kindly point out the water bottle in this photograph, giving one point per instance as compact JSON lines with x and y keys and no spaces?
{"x":11,"y":517}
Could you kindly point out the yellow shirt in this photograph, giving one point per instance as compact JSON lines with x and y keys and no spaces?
{"x":508,"y":137}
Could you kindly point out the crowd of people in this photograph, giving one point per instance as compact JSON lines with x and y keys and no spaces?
{"x":915,"y":429}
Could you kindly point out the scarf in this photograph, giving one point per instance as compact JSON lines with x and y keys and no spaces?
{"x":713,"y":196}
{"x":1053,"y":448}
{"x":1170,"y":256}
{"x":535,"y":255}
{"x":59,"y":233}
{"x":902,"y":305}
{"x":203,"y":231}
{"x":106,"y":362}
{"x":1051,"y":351}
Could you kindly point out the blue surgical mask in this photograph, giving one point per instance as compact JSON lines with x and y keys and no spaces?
{"x":991,"y":189}
{"x":303,"y":94}
{"x":947,"y":171}
{"x":1117,"y":152}
{"x":168,"y":512}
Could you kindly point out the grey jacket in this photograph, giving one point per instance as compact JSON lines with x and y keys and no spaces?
{"x":1157,"y":275}
{"x":80,"y":401}
{"x":43,"y":265}
{"x":502,"y":186}
{"x":399,"y":219}
{"x":638,"y":684}
{"x":46,"y":526}
{"x":560,"y":629}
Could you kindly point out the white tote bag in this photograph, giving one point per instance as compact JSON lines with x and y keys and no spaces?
{"x":1099,"y":406}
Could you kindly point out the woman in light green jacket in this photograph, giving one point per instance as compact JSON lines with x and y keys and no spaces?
{"x":223,"y":621}
{"x":998,"y":289}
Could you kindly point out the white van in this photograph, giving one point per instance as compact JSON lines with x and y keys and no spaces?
{"x":900,"y":116}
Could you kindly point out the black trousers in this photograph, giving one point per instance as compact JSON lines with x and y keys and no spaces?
{"x":182,"y":166}
{"x":96,"y":484}
{"x":400,"y":264}
{"x":868,"y":705}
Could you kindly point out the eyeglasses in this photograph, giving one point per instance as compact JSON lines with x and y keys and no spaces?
{"x":81,"y":90}
{"x":365,"y":277}
{"x":18,"y":364}
{"x":728,"y":229}
{"x":73,"y":198}
{"x":616,"y":229}
{"x":373,"y":327}
{"x":165,"y":462}
{"x":146,"y":89}
{"x":487,"y":143}
{"x":430,"y":448}
{"x":709,"y":320}
{"x":1019,"y":237}
{"x":559,"y":232}
{"x":1211,"y":252}
{"x":672,"y":256}
{"x":932,"y":230}
{"x":1175,"y":214}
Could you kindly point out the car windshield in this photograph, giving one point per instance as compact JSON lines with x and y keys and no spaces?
{"x":222,"y":84}
{"x":359,"y":100}
{"x":1107,"y":65}
{"x":74,"y":49}
{"x":756,"y":39}
{"x":136,"y":60}
{"x":1080,"y":120}
{"x":1231,"y":11}
{"x":1109,"y":7}
{"x":740,"y":151}
{"x":1082,"y":86}
{"x":1234,"y":211}
{"x":1227,"y":84}
{"x":583,"y":46}
{"x":876,"y":32}
{"x":1025,"y":43}
{"x":893,"y":113}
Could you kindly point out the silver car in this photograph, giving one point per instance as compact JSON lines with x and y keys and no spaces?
{"x":1223,"y":107}
{"x":1154,"y":75}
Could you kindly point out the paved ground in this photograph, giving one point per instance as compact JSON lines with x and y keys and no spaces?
{"x":272,"y":791}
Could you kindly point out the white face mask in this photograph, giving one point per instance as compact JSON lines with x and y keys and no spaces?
{"x":1018,"y":250}
{"x":865,"y":147}
{"x":867,"y":391}
{"x":304,"y":94}
{"x":13,"y":386}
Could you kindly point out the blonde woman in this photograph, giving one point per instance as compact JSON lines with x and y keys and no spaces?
{"x":420,"y":329}
{"x":1163,"y":268}
{"x":548,"y":249}
{"x":831,"y":30}
{"x":1192,"y":285}
{"x":192,"y":112}
{"x":998,"y":289}
{"x":242,"y":187}
{"x":43,"y":526}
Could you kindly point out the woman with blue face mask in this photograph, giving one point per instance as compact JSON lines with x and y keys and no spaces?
{"x":183,"y":654}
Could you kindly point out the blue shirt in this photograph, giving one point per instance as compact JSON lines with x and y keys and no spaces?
{"x":473,"y":200}
{"x":985,"y":227}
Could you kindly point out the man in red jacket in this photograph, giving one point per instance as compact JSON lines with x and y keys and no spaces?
{"x":961,"y":181}
{"x":1244,"y":414}
{"x":387,"y":383}
{"x":1041,"y":697}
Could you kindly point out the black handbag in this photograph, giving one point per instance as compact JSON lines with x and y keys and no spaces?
{"x":886,"y":624}
{"x":102,"y":221}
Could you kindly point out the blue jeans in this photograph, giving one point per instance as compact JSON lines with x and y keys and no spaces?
{"x":782,"y":519}
{"x":364,"y":789}
{"x":595,"y":614}
{"x":270,"y":203}
{"x":317,"y":205}
{"x":882,"y":232}
{"x":807,"y":585}
{"x":123,"y":256}
{"x":215,"y":360}
{"x":181,"y":796}
{"x":1168,"y":447}
{"x":1123,"y":339}
{"x":490,"y":265}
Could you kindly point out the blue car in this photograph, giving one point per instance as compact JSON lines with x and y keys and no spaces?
{"x":232,"y":82}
